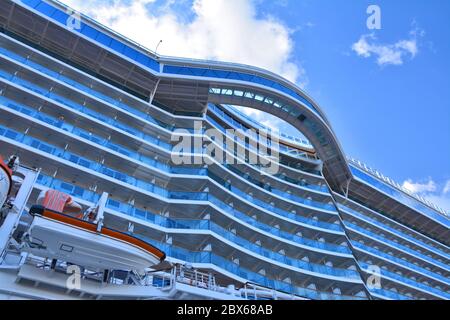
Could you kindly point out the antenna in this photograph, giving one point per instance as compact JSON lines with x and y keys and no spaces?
{"x":157,"y":46}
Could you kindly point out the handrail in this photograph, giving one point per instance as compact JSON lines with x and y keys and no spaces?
{"x":376,"y":174}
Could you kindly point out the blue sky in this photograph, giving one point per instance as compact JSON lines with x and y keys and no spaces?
{"x":386,"y":92}
{"x":393,"y":117}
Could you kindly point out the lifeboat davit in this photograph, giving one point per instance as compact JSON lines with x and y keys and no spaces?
{"x":5,"y":181}
{"x":59,"y":236}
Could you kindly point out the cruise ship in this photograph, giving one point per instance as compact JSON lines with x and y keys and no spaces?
{"x":92,"y":116}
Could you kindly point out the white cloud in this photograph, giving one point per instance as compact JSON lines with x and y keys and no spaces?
{"x":275,"y":124}
{"x":447,"y":187}
{"x":264,"y":119}
{"x":226,"y":30}
{"x":439,"y":194}
{"x":388,"y":54}
{"x":419,"y":188}
{"x":441,"y":200}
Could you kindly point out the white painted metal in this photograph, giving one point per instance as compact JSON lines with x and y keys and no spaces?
{"x":4,"y":186}
{"x":13,"y":216}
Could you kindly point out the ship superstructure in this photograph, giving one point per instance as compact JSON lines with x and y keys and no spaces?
{"x":93,"y":115}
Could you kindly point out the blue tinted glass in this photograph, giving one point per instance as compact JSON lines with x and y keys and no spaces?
{"x":211,"y":73}
{"x":247,"y":77}
{"x":198,"y":71}
{"x":221,"y":74}
{"x":31,"y":3}
{"x":11,"y":134}
{"x":113,"y":203}
{"x":266,"y":82}
{"x":60,"y":16}
{"x":67,"y":187}
{"x":170,"y":69}
{"x":188,"y":71}
{"x":256,"y":80}
{"x":277,"y":86}
{"x":103,"y":39}
{"x":143,"y":59}
{"x":129,"y":52}
{"x":234,"y":75}
{"x":45,"y":9}
{"x":78,"y":191}
{"x":117,"y":45}
{"x":89,"y":31}
{"x":153,"y":65}
{"x":238,"y":76}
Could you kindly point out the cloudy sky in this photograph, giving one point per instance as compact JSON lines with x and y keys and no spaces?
{"x":385,"y":91}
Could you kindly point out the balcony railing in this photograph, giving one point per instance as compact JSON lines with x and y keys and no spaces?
{"x":402,"y":262}
{"x":193,"y":224}
{"x":98,"y":140}
{"x":401,"y":234}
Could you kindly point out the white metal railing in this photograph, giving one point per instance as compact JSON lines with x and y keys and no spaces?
{"x":195,"y":278}
{"x":253,"y":291}
{"x":396,"y":185}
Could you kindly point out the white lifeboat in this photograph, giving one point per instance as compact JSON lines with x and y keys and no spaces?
{"x":59,"y":236}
